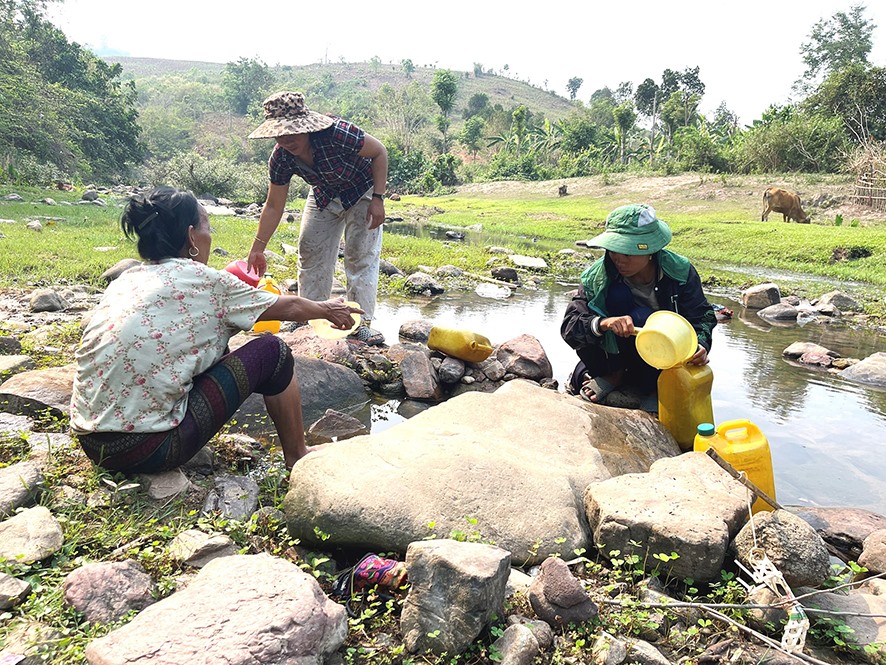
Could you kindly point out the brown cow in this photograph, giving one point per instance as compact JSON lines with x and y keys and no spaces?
{"x":785,"y":202}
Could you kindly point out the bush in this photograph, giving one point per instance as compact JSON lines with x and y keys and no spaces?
{"x":405,"y":171}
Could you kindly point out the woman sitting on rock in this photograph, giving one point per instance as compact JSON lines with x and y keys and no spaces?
{"x":635,"y":277}
{"x":154,"y":380}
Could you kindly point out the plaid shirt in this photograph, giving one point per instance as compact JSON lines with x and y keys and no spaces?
{"x":338,"y":168}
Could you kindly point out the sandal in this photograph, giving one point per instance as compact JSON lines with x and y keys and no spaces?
{"x":595,"y":390}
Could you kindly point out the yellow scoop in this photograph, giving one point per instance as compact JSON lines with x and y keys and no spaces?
{"x":667,"y":340}
{"x":323,"y":327}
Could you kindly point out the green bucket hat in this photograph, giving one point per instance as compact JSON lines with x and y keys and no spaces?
{"x":633,"y":230}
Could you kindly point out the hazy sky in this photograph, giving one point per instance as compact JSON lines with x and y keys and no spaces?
{"x":748,"y":51}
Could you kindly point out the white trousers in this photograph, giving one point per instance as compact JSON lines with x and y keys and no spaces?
{"x":318,"y":242}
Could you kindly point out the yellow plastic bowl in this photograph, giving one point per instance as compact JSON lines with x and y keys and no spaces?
{"x":323,"y":327}
{"x":667,"y":340}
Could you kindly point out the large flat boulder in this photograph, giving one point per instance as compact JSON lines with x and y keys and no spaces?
{"x":508,"y":467}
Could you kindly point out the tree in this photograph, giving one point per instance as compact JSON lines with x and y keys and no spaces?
{"x":478,"y":69}
{"x":245,"y":82}
{"x":472,"y":134}
{"x":444,"y":88}
{"x":625,"y":117}
{"x":647,"y":100}
{"x":407,"y":67}
{"x":478,"y":104}
{"x":836,"y":43}
{"x":402,"y":112}
{"x":573,"y":85}
{"x":375,"y":64}
{"x":856,"y":95}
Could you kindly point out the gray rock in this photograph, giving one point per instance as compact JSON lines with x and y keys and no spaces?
{"x":107,"y":591}
{"x":166,"y":484}
{"x":233,"y":497}
{"x":34,"y":392}
{"x":448,"y":271}
{"x":10,"y":345}
{"x":516,"y":646}
{"x":30,"y":535}
{"x":525,"y":357}
{"x":792,"y":545}
{"x":608,"y":650}
{"x":493,"y":249}
{"x":197,"y":548}
{"x":21,"y":484}
{"x":118,"y":269}
{"x":868,"y":599}
{"x":10,"y":365}
{"x":12,"y":591}
{"x":506,"y":274}
{"x":34,"y":226}
{"x":557,"y":597}
{"x":486,"y":290}
{"x":643,"y":653}
{"x":47,"y":300}
{"x":238,"y":610}
{"x":528,"y":262}
{"x":687,"y":505}
{"x":388,"y":268}
{"x":420,"y":283}
{"x":377,"y":492}
{"x":334,"y":426}
{"x":90,"y":195}
{"x":451,"y":370}
{"x":416,"y":330}
{"x":873,"y":555}
{"x":518,"y":582}
{"x":870,"y":370}
{"x":542,"y":631}
{"x":797,"y":349}
{"x":492,"y":369}
{"x":31,"y":640}
{"x":779,"y":312}
{"x":456,"y":588}
{"x":841,"y":301}
{"x":760,"y":296}
{"x":816,"y":359}
{"x":420,"y":378}
{"x":843,"y":528}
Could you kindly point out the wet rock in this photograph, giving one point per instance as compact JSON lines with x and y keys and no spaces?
{"x":827,"y":310}
{"x":30,"y":535}
{"x":557,"y":597}
{"x":760,"y":296}
{"x":334,"y":426}
{"x":816,"y":359}
{"x":797,"y":349}
{"x":486,"y":290}
{"x":451,"y":370}
{"x":456,"y":588}
{"x":779,"y":312}
{"x":506,"y":274}
{"x":870,"y":370}
{"x":420,"y":283}
{"x":416,"y":330}
{"x":792,"y":545}
{"x":107,"y":591}
{"x":238,"y":610}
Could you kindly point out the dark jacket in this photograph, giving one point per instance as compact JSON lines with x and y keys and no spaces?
{"x":677,"y":289}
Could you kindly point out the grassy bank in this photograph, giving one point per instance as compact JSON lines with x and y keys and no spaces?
{"x":716,"y":222}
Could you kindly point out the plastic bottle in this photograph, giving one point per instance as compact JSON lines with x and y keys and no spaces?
{"x":745,"y":447}
{"x":268,"y":284}
{"x":462,"y":344}
{"x":684,"y":401}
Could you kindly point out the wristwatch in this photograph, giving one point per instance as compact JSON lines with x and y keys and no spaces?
{"x":376,"y":195}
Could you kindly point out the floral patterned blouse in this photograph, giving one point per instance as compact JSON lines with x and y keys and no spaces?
{"x":157,"y":327}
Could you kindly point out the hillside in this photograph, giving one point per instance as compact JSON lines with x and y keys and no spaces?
{"x":508,"y":92}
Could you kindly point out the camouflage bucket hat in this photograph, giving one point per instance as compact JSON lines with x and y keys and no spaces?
{"x":286,"y":113}
{"x":633,"y":230}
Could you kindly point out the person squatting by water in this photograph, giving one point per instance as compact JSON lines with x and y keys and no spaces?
{"x":348,"y":171}
{"x":155,"y":380}
{"x":635,"y":277}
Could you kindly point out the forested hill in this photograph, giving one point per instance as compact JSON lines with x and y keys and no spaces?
{"x":347,"y":78}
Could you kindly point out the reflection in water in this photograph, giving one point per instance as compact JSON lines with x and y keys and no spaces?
{"x":825,"y":433}
{"x":473,"y":236}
